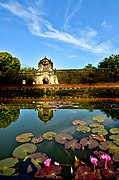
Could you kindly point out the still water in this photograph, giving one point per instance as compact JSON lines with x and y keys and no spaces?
{"x":37,"y":118}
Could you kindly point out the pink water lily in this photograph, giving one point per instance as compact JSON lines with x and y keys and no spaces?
{"x":107,"y":158}
{"x":94,"y":160}
{"x":47,"y":162}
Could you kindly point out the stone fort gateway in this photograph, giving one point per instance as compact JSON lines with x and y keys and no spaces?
{"x":45,"y":74}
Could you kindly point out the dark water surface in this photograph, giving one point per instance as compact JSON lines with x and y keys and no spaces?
{"x":17,"y":119}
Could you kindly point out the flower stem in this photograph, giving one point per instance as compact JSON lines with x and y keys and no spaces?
{"x":105,"y":164}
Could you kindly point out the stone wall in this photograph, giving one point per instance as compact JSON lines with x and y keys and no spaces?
{"x":76,"y":76}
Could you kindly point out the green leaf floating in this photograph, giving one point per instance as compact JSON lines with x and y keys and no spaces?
{"x":98,"y":137}
{"x":24,"y":137}
{"x":84,"y":141}
{"x":73,"y":144}
{"x":92,"y":143}
{"x":116,"y":157}
{"x":114,"y":130}
{"x":99,"y":119}
{"x":62,"y":138}
{"x":78,"y":122}
{"x":114,"y":137}
{"x":116,"y":142}
{"x":100,"y":131}
{"x":83,"y":129}
{"x":113,"y":149}
{"x":49,"y":135}
{"x":105,"y":145}
{"x":96,"y":125}
{"x":22,"y":151}
{"x":6,"y":166}
{"x":37,"y":140}
{"x":39,"y":156}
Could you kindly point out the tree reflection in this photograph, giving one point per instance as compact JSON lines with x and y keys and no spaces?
{"x":8,"y":115}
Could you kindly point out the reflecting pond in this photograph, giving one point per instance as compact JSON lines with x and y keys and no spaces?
{"x":63,"y":132}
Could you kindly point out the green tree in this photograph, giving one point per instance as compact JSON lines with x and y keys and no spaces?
{"x":9,"y":68}
{"x":8,"y":63}
{"x":89,"y":66}
{"x":28,"y":74}
{"x":110,"y":62}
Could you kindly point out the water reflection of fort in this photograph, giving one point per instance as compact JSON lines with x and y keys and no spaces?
{"x":45,"y":114}
{"x":10,"y":112}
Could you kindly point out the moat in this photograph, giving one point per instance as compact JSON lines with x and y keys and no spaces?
{"x":55,"y":122}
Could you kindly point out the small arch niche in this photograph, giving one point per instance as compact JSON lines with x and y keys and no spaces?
{"x":45,"y":81}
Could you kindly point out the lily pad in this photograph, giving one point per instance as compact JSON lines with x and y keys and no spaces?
{"x":49,"y":135}
{"x":109,"y":173}
{"x":100,"y":131}
{"x":116,"y":157}
{"x":24,"y":137}
{"x":62,"y":138}
{"x":6,"y":166}
{"x":37,"y":140}
{"x":84,"y":172}
{"x":83,"y":129}
{"x":73,"y":144}
{"x":92,"y":143}
{"x":114,"y":137}
{"x":8,"y":172}
{"x":105,"y":145}
{"x":78,"y":122}
{"x":41,"y":157}
{"x":21,"y":151}
{"x":116,"y":142}
{"x":84,"y":141}
{"x":50,"y":172}
{"x":98,"y":137}
{"x":37,"y":159}
{"x":99,"y":119}
{"x":96,"y":125}
{"x":114,"y":130}
{"x":113,"y":149}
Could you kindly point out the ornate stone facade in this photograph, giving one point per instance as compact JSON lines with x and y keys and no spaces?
{"x":45,"y":73}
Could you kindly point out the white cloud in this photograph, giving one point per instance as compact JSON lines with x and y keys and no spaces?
{"x":53,"y":46}
{"x":105,"y":25}
{"x":70,"y":13}
{"x":72,"y":56}
{"x":89,"y":34}
{"x":43,"y":28}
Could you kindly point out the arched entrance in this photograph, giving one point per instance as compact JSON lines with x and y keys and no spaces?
{"x":45,"y":81}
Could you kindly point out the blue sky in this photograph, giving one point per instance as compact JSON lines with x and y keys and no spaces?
{"x":72,"y":33}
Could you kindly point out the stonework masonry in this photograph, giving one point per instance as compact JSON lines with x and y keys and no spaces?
{"x":45,"y":72}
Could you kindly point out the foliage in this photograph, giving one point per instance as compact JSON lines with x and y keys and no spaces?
{"x":27,"y":74}
{"x":8,"y":63}
{"x":21,"y":151}
{"x":110,"y":62}
{"x":8,"y":115}
{"x":9,"y":68}
{"x":24,"y":137}
{"x":6,"y":166}
{"x":89,"y":66}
